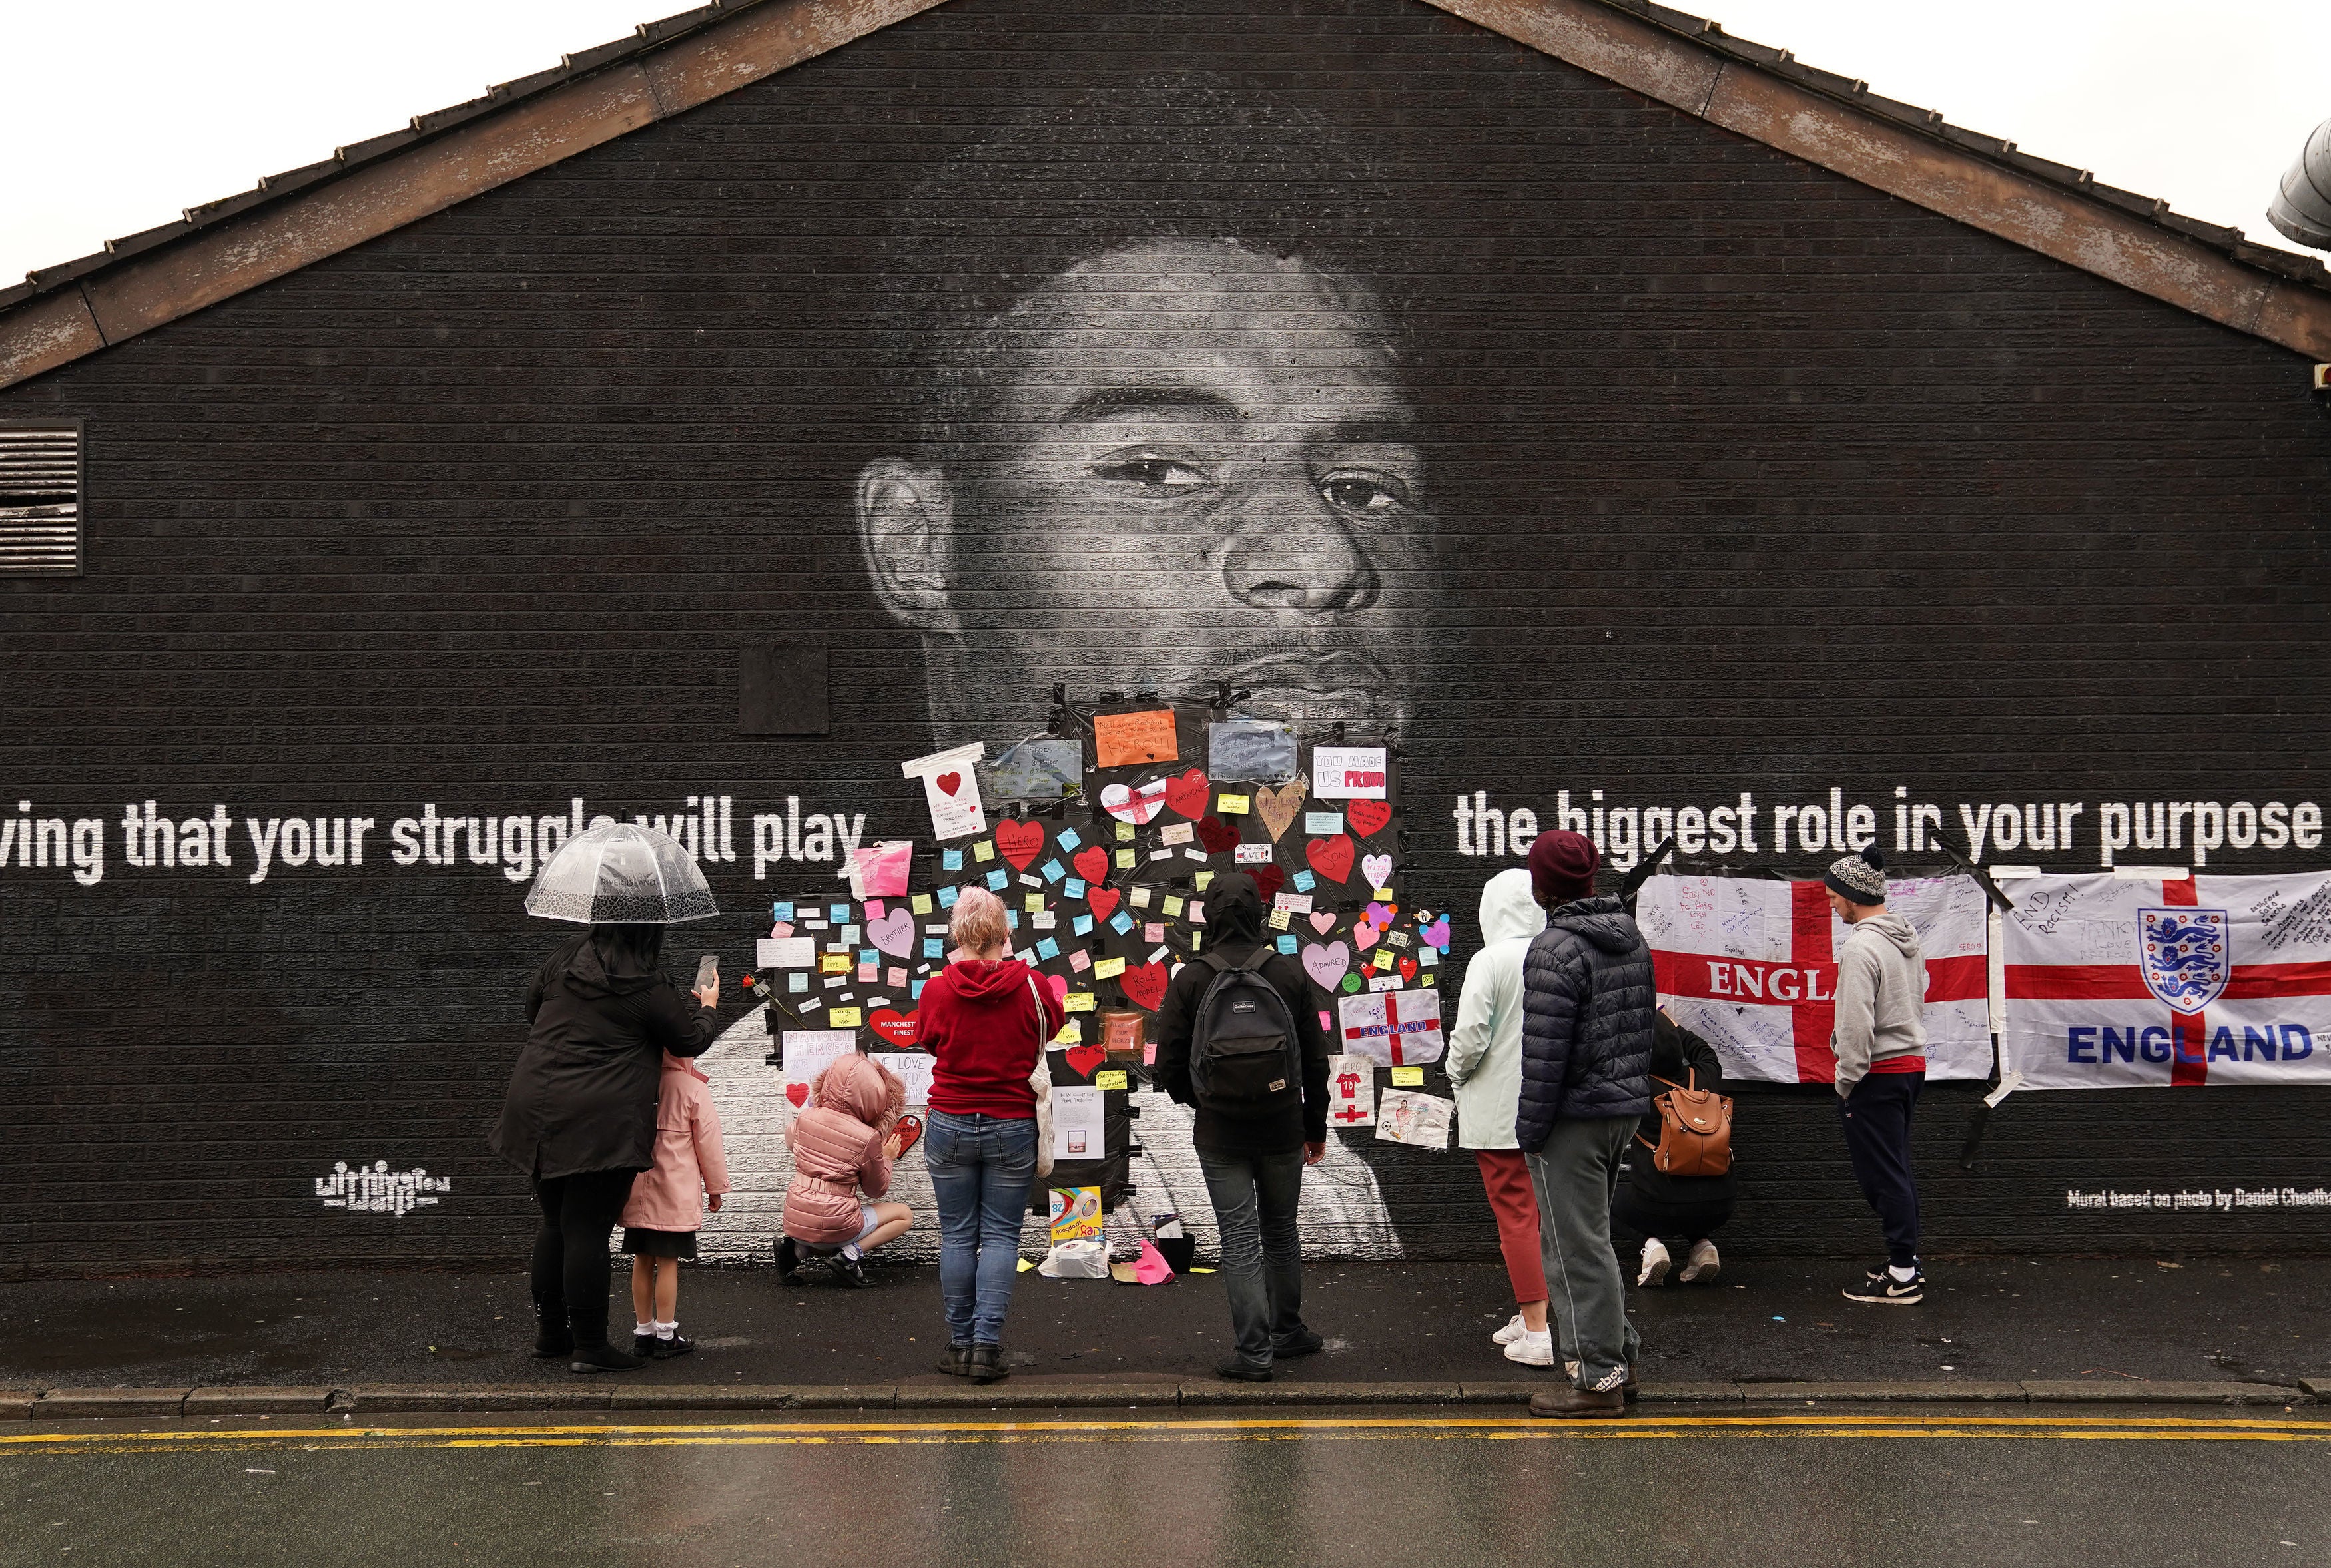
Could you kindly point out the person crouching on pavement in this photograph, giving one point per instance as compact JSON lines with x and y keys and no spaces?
{"x":1485,"y":1067}
{"x":1879,"y":1040}
{"x":1586,"y":1053}
{"x":1672,"y":1215}
{"x":661,"y":1217}
{"x":843,"y":1143}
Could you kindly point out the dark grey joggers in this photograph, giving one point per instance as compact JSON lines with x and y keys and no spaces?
{"x":1575,"y":1174}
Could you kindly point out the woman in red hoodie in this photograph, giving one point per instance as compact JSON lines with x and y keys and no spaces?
{"x":983,"y":1018}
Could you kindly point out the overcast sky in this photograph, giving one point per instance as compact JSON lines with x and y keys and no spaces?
{"x":119,"y":115}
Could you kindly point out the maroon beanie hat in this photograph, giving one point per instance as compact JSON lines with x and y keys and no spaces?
{"x":1562,"y":866}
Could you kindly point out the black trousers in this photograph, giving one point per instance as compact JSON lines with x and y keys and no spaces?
{"x":1635,"y":1219}
{"x":570,"y":1250}
{"x":1877,"y":1116}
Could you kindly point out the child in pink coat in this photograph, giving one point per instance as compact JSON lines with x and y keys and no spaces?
{"x":666,"y":1206}
{"x":843,"y":1144}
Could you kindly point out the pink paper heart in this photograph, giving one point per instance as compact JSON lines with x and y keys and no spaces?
{"x":1132,"y":805}
{"x":1324,"y":963}
{"x":1365,"y":934}
{"x":1058,"y":985}
{"x":1377,"y":868}
{"x":1323,"y":921}
{"x":894,"y":933}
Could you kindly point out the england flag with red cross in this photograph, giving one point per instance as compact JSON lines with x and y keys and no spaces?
{"x":2183,"y":981}
{"x":1751,"y":967}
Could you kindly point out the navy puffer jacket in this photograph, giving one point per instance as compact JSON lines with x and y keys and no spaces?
{"x":1586,"y":1020}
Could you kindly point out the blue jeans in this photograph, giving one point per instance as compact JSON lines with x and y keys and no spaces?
{"x":981,"y":1168}
{"x":1255,"y":1197}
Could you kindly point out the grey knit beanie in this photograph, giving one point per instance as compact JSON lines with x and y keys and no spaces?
{"x":1860,"y":877}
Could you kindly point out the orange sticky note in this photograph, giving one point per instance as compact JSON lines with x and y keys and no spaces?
{"x":1127,"y":739}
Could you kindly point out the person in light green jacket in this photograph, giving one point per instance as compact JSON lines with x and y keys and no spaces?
{"x":1485,"y":1065}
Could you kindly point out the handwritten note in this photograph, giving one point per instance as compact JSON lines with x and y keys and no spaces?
{"x":1130,"y":739}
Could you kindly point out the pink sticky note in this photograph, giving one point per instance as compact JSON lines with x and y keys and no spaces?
{"x":873,"y":908}
{"x":782,"y":929}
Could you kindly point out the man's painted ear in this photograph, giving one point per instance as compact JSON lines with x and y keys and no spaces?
{"x":906,"y":530}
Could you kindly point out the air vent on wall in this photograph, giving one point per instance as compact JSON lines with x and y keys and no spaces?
{"x":40,"y":498}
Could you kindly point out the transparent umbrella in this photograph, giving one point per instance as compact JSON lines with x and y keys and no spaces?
{"x":620,"y":874}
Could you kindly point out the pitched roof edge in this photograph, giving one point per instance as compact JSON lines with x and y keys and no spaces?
{"x":1983,"y":182}
{"x":373,"y":187}
{"x":368,"y":189}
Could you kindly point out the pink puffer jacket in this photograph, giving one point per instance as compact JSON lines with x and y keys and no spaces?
{"x":688,"y":1159}
{"x":837,"y":1145}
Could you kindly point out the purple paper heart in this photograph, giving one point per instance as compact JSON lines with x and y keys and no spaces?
{"x":894,"y":933}
{"x":1437,"y":934}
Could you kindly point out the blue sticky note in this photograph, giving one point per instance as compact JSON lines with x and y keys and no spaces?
{"x":781,"y":911}
{"x":917,"y":991}
{"x":1082,"y":925}
{"x":1287,"y":944}
{"x":1304,"y":881}
{"x":951,"y":860}
{"x":1074,"y":888}
{"x":1012,"y":919}
{"x":1067,"y":838}
{"x":1048,"y":949}
{"x":869,"y":955}
{"x":946,"y":898}
{"x":1054,"y":870}
{"x":1120,"y":923}
{"x":934,"y":947}
{"x":838,"y":913}
{"x":999,"y":879}
{"x":797,"y":982}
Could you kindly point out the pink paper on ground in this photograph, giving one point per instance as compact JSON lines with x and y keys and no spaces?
{"x":1151,"y":1268}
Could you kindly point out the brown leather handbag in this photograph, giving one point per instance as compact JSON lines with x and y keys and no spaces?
{"x":1695,"y":1130}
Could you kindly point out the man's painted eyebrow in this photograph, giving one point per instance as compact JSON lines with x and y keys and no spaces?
{"x":1096,"y":406}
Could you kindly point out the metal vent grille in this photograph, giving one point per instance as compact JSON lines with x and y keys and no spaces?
{"x":40,"y":498}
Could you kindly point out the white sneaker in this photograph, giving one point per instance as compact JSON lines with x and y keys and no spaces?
{"x":1702,"y":1264}
{"x":1655,"y":1263}
{"x":1514,"y":1329}
{"x":1533,"y":1349}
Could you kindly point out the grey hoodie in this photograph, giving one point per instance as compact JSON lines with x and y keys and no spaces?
{"x":1881,"y":997}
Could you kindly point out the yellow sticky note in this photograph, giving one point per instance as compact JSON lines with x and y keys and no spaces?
{"x":1234,"y":805}
{"x":1408,"y":1077}
{"x":1171,"y":905}
{"x":1078,"y":1002}
{"x":1384,"y":895}
{"x":1113,"y":1078}
{"x":1035,"y":903}
{"x":1278,"y":920}
{"x":984,"y":850}
{"x":1204,"y":879}
{"x":1072,"y":1032}
{"x":1125,"y":859}
{"x":1108,"y":969}
{"x":1125,"y":833}
{"x":1025,"y":1266}
{"x":833,"y":963}
{"x":1383,"y":957}
{"x":1140,"y":897}
{"x":845,"y":1018}
{"x":920,"y":903}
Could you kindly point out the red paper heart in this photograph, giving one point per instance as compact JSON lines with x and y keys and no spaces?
{"x":1145,"y":985}
{"x":1408,"y":969}
{"x":909,"y":1128}
{"x":1216,"y":834}
{"x":1268,"y":880}
{"x":1091,"y":864}
{"x":1187,"y":794}
{"x":1367,"y":816}
{"x":1103,"y":901}
{"x":1083,"y":1059}
{"x":1017,"y":841}
{"x":1331,"y":857}
{"x":898,"y":1027}
{"x":798,"y":1093}
{"x":949,"y":783}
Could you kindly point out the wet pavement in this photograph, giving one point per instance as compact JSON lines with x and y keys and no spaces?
{"x":2108,"y":1320}
{"x":2133,"y":1489}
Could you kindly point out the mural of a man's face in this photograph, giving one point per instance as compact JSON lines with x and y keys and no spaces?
{"x":1193,"y":462}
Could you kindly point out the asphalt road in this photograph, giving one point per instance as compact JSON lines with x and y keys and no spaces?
{"x":2135,"y":1488}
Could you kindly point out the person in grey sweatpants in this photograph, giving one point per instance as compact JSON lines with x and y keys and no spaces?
{"x":1587,"y":1025}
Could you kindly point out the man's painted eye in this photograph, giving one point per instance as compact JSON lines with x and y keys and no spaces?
{"x":1163,"y":472}
{"x":1359,"y":493}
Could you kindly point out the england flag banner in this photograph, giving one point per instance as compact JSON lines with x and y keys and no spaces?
{"x":1398,"y":1028}
{"x":2185,"y":981}
{"x":1751,"y":967}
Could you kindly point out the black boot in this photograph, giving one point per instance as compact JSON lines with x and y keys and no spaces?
{"x":788,"y":1261}
{"x":552,"y":1338}
{"x":592,"y":1352}
{"x":987,"y":1363}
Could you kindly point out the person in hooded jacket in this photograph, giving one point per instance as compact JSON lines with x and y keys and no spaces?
{"x":844,"y":1143}
{"x":1485,"y":1067}
{"x":579,"y":1117}
{"x":981,"y":1018}
{"x":1879,"y":1040}
{"x":1655,"y":1208}
{"x":1587,"y":1002}
{"x":1253,"y":1164}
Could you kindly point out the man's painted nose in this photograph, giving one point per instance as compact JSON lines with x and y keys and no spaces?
{"x":1296,"y":554}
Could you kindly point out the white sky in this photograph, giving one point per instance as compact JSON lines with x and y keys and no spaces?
{"x":119,"y":115}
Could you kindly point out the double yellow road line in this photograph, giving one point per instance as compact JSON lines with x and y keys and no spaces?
{"x":896,"y":1433}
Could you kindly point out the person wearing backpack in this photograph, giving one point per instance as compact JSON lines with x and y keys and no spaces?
{"x":1239,"y":1038}
{"x":1669,"y":1211}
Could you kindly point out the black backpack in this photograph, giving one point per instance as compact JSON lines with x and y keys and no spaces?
{"x":1245,"y":1057}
